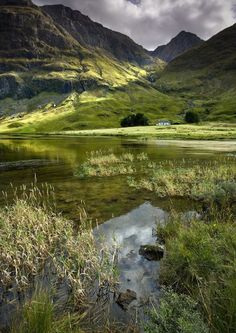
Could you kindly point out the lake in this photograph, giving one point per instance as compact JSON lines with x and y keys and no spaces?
{"x":104,"y":198}
{"x":121,"y":212}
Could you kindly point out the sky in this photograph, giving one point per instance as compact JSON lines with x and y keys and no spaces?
{"x":154,"y":22}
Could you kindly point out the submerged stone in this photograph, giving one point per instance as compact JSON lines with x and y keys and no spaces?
{"x":126,"y":298}
{"x":152,"y":252}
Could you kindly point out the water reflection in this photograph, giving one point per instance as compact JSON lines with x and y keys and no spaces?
{"x":129,"y":232}
{"x":104,"y":198}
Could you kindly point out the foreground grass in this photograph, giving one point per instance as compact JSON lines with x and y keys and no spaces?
{"x":209,"y":131}
{"x":38,"y":245}
{"x":175,"y":313}
{"x":200,"y":262}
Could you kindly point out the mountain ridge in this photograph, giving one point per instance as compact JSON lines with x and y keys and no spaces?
{"x":206,"y":77}
{"x":88,"y":32}
{"x":178,"y":45}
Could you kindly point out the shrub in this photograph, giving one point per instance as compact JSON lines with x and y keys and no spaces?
{"x":132,"y":120}
{"x":192,"y":117}
{"x":175,"y":314}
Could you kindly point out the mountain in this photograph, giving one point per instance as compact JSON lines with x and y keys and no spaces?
{"x":26,"y":31}
{"x":60,"y":70}
{"x":47,"y":53}
{"x":206,"y":77}
{"x":183,"y":42}
{"x":87,"y":32}
{"x":219,"y":52}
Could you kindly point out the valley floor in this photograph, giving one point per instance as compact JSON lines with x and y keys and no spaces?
{"x":209,"y":131}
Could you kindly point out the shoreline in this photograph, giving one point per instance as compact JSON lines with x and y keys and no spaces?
{"x":203,"y":132}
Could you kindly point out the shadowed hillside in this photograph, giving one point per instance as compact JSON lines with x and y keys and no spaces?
{"x":183,"y":42}
{"x":206,"y":77}
{"x":87,"y":32}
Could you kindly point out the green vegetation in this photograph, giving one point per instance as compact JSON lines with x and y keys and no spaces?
{"x":203,"y":182}
{"x":205,"y":78}
{"x":209,"y":131}
{"x":37,"y":316}
{"x":107,"y":164}
{"x":208,"y":182}
{"x":175,"y":314}
{"x":100,"y":108}
{"x":41,"y":315}
{"x":192,"y":117}
{"x":36,"y":242}
{"x":133,"y":120}
{"x":200,"y":262}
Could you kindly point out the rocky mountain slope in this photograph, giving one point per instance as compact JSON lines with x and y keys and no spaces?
{"x":87,"y":32}
{"x":46,"y":53}
{"x":206,"y":77}
{"x":26,"y":31}
{"x":183,"y":42}
{"x":218,"y":51}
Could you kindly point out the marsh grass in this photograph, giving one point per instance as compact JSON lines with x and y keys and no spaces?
{"x":200,"y":262}
{"x":107,"y":164}
{"x":182,"y":179}
{"x":37,"y":242}
{"x":41,"y":315}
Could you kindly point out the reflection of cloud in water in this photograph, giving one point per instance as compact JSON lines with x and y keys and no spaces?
{"x":130,"y":232}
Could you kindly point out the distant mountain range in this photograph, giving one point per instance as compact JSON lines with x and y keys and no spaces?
{"x":183,"y":42}
{"x":60,"y":70}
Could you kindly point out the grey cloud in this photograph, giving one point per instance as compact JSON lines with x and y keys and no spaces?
{"x":154,"y":22}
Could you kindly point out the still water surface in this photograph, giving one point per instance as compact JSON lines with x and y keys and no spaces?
{"x":104,"y":197}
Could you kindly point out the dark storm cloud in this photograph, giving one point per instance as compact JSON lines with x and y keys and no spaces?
{"x":154,"y":22}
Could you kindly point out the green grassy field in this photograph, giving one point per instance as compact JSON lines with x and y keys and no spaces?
{"x":210,"y":131}
{"x":101,"y":108}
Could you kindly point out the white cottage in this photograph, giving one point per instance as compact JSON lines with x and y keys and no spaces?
{"x":164,"y":123}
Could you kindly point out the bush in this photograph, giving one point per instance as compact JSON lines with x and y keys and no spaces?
{"x":192,"y":117}
{"x":175,"y":314}
{"x":132,"y":120}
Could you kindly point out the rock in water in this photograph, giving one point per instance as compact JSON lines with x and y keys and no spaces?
{"x":126,"y":298}
{"x":152,"y":252}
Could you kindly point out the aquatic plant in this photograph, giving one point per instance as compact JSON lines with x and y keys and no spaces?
{"x":106,"y":164}
{"x":207,"y":181}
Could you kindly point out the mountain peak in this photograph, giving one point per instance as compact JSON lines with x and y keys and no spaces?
{"x":178,"y":45}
